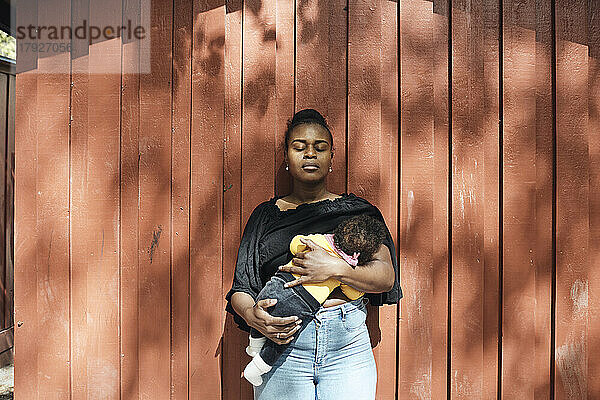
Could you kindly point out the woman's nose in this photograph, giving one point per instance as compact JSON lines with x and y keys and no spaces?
{"x":310,"y":152}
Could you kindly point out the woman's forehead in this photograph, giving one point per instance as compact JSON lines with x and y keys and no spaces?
{"x":309,"y":132}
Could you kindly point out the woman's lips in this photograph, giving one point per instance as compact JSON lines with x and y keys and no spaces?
{"x":310,"y":167}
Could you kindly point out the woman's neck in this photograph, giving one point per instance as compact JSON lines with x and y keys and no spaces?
{"x":308,"y":193}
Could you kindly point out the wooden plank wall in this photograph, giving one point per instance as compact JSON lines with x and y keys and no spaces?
{"x":472,"y":125}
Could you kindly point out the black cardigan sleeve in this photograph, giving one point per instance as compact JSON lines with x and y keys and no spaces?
{"x":247,"y":275}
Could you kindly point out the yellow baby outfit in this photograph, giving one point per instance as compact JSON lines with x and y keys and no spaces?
{"x":321,"y":290}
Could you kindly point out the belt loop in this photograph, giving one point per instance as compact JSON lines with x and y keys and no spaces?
{"x":343,"y":312}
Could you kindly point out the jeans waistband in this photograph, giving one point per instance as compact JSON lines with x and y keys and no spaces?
{"x":360,"y":303}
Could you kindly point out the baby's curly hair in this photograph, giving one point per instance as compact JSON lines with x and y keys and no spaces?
{"x":361,"y":233}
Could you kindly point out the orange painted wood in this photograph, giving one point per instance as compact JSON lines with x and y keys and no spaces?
{"x":572,"y":351}
{"x":543,"y":253}
{"x":52,"y":214}
{"x":129,"y":211}
{"x":416,"y":213}
{"x":26,"y":237}
{"x":519,"y":203}
{"x":365,"y":166}
{"x":321,"y":73}
{"x":154,"y":209}
{"x":206,"y":199}
{"x":388,"y":203}
{"x":234,"y":339}
{"x":180,"y":197}
{"x":284,"y":88}
{"x":95,"y":195}
{"x":593,"y":14}
{"x":491,"y":195}
{"x":468,"y":372}
{"x":258,"y":117}
{"x":439,"y":356}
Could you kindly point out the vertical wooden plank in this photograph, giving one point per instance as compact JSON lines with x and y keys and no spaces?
{"x":321,"y":73}
{"x":593,"y":18}
{"x":259,"y":108}
{"x":234,"y":340}
{"x":206,"y":198}
{"x":95,"y":210}
{"x":573,"y":171}
{"x":258,"y":111}
{"x":154,"y":207}
{"x":285,"y":50}
{"x":468,"y":178}
{"x":80,"y":208}
{"x":491,"y":194}
{"x":368,"y":152}
{"x":543,"y":253}
{"x":417,"y":162}
{"x":519,"y":182}
{"x":180,"y":197}
{"x":388,"y":315}
{"x":26,"y":235}
{"x":129,"y":193}
{"x":52,"y":185}
{"x":439,"y":356}
{"x":10,"y":202}
{"x":3,"y":138}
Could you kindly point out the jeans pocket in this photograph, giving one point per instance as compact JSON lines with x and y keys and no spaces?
{"x":354,"y":319}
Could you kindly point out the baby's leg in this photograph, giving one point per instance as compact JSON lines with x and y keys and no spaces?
{"x":256,"y":342}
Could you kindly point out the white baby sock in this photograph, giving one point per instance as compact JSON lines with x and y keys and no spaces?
{"x":255,"y":345}
{"x":255,"y":369}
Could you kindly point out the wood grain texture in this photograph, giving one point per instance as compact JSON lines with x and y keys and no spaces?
{"x":519,"y":182}
{"x":572,"y":352}
{"x":388,"y":203}
{"x":593,"y":19}
{"x":321,"y":73}
{"x":543,"y":251}
{"x":129,"y":211}
{"x":52,"y":203}
{"x":95,"y":192}
{"x":416,"y":213}
{"x":439,"y":356}
{"x":180,"y":198}
{"x":285,"y":50}
{"x":3,"y":200}
{"x":154,"y":208}
{"x":234,"y":339}
{"x":206,"y":199}
{"x":26,"y":237}
{"x":468,"y":180}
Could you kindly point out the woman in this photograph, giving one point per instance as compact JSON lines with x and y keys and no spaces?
{"x":332,"y":356}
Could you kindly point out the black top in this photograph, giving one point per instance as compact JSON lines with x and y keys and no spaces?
{"x":266,"y":241}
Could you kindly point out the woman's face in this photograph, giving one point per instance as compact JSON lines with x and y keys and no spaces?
{"x":309,"y":153}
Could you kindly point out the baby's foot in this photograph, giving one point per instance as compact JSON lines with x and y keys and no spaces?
{"x":255,"y":345}
{"x":255,"y":369}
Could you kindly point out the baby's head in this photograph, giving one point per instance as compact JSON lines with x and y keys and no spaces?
{"x":360,"y":234}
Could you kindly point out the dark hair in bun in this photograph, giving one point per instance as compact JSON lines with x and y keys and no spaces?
{"x":306,"y":116}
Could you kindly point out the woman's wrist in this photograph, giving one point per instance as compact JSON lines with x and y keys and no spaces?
{"x":340,"y":270}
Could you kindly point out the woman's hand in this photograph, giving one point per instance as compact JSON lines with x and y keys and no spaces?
{"x":278,"y":329}
{"x":314,"y":265}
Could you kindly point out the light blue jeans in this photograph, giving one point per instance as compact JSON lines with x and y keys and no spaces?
{"x":330,"y":359}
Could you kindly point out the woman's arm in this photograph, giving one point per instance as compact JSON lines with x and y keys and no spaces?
{"x":258,"y":318}
{"x":317,"y":265}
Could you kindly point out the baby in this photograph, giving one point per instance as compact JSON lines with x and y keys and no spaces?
{"x":355,"y":240}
